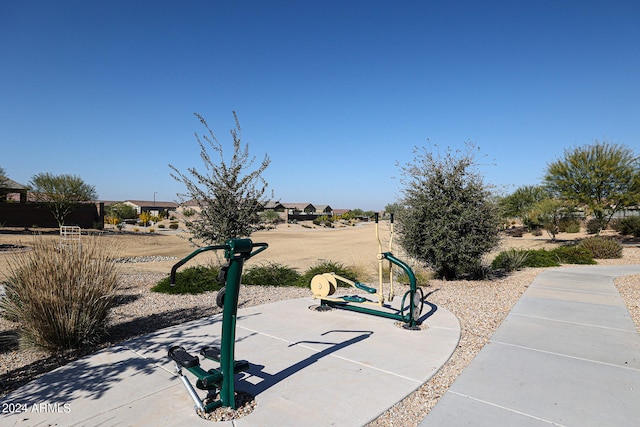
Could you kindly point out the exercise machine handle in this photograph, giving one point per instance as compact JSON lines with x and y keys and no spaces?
{"x":244,"y":246}
{"x":404,"y":266}
{"x":191,"y":255}
{"x":261,"y":247}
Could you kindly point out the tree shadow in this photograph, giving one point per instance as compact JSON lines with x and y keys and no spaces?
{"x":269,"y":380}
{"x":14,"y":379}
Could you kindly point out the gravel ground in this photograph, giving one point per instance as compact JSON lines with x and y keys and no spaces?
{"x":479,"y":305}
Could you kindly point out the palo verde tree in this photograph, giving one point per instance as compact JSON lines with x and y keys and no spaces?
{"x":229,"y":194}
{"x":602,"y":178}
{"x":448,"y":219}
{"x":3,"y":177}
{"x":521,"y":203}
{"x":62,"y":193}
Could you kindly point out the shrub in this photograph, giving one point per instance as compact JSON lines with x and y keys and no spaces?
{"x":510,"y":260}
{"x":602,"y":248}
{"x":327,"y":267}
{"x":271,"y":274}
{"x":60,"y":297}
{"x":422,"y":277}
{"x":191,"y":280}
{"x":573,"y":255}
{"x":450,"y":219}
{"x":161,"y":226}
{"x":594,"y":226}
{"x":541,"y":258}
{"x":569,"y":225}
{"x":629,"y":226}
{"x":173,"y":225}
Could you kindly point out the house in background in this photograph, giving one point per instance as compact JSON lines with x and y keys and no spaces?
{"x":11,"y":191}
{"x":154,"y":207}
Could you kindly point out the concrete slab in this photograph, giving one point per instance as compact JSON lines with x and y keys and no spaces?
{"x":551,"y":387}
{"x":302,"y":363}
{"x":606,"y":345}
{"x":566,"y":355}
{"x":605,"y":315}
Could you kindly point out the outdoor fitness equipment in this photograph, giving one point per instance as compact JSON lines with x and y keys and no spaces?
{"x":324,"y":285}
{"x":236,"y":251}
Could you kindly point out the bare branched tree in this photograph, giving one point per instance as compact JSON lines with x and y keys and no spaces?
{"x":228,"y":194}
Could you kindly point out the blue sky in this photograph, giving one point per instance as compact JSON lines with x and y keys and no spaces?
{"x":337,"y":93}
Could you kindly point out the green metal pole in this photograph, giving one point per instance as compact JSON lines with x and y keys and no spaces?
{"x":229,"y":314}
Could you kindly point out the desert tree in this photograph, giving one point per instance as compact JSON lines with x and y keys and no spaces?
{"x":602,"y":178}
{"x":3,"y":177}
{"x":121,"y":211}
{"x":62,"y":193}
{"x":549,"y":213}
{"x":229,"y":192}
{"x":521,"y":203}
{"x":448,"y":218}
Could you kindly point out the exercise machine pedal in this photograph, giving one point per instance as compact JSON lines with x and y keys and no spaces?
{"x":211,"y":353}
{"x":181,"y":357}
{"x":365,"y":288}
{"x":354,"y":298}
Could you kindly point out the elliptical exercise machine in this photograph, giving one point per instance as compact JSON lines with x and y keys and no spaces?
{"x":325,"y":285}
{"x":221,"y":379}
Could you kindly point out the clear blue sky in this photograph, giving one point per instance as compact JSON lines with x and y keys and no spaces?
{"x":336,"y":92}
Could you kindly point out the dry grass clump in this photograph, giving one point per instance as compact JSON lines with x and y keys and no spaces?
{"x":60,"y":296}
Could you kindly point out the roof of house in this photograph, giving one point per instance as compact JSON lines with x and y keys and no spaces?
{"x":152,"y":203}
{"x":9,"y":184}
{"x":323,"y":208}
{"x":299,"y":206}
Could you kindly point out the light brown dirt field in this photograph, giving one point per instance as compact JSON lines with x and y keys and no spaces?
{"x":480,"y":306}
{"x":293,"y":245}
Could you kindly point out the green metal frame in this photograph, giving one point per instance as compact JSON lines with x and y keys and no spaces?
{"x":236,"y":251}
{"x":410,"y":318}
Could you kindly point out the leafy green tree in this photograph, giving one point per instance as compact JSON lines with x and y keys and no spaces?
{"x":448,"y":218}
{"x":549,"y":212}
{"x":521,"y":203}
{"x":121,"y":211}
{"x":270,"y":216}
{"x":62,"y":193}
{"x":3,"y":177}
{"x":603,"y":178}
{"x":228,"y":194}
{"x":393,"y":208}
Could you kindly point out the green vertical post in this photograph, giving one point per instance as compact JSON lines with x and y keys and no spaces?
{"x":227,"y":356}
{"x":239,"y":249}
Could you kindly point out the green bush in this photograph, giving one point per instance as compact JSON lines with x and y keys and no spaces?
{"x":602,"y":247}
{"x":60,"y":297}
{"x":514,"y":259}
{"x":271,"y":274}
{"x":422,"y":277}
{"x":191,"y":280}
{"x":593,"y":226}
{"x":541,"y":258}
{"x":569,"y":225}
{"x":573,"y":255}
{"x":629,"y":226}
{"x":173,"y":225}
{"x":510,"y":260}
{"x":327,"y":267}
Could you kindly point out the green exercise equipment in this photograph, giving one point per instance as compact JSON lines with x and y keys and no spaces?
{"x":324,"y":285}
{"x":220,"y":379}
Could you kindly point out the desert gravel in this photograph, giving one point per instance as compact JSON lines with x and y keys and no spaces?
{"x":479,"y":305}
